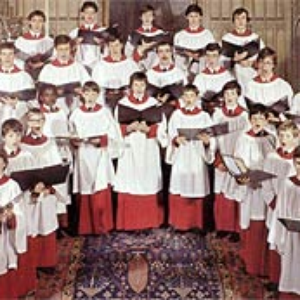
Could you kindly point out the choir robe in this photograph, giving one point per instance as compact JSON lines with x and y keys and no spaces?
{"x":280,"y":164}
{"x":42,"y":215}
{"x":242,"y":74}
{"x":13,"y":240}
{"x":93,"y":171}
{"x":288,"y":242}
{"x":139,"y":177}
{"x":88,"y":54}
{"x":150,"y":59}
{"x":192,"y":40}
{"x":113,"y":75}
{"x":212,"y":80}
{"x":189,"y":182}
{"x":225,"y":208}
{"x":253,"y":150}
{"x":14,"y":81}
{"x":60,"y":74}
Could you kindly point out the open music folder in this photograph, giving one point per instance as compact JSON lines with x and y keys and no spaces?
{"x":291,"y":224}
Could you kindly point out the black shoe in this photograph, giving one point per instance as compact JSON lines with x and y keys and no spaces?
{"x":234,"y":237}
{"x":271,"y":287}
{"x":221,"y":234}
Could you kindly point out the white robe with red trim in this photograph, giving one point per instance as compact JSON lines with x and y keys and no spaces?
{"x":139,"y":164}
{"x":189,"y":176}
{"x":12,"y":241}
{"x":93,"y":170}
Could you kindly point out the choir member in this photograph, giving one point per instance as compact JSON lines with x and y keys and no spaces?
{"x":138,"y":176}
{"x":95,"y":132}
{"x":189,"y":183}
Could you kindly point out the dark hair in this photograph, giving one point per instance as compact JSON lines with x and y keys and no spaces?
{"x":91,"y":85}
{"x":256,"y":109}
{"x":190,"y":88}
{"x":114,"y":37}
{"x":239,"y":11}
{"x":138,"y":76}
{"x":289,"y":125}
{"x":267,"y":52}
{"x":37,"y":13}
{"x":194,"y":8}
{"x":232,"y":85}
{"x":146,"y":8}
{"x":213,"y":47}
{"x":11,"y":125}
{"x":62,"y":39}
{"x":7,"y":45}
{"x":3,"y":155}
{"x":89,"y":4}
{"x":296,"y":152}
{"x":46,"y":86}
{"x":163,"y":43}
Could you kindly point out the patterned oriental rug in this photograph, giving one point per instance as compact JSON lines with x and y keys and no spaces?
{"x":148,"y":265}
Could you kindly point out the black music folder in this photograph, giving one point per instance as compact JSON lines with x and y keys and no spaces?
{"x":23,"y":95}
{"x":175,"y":90}
{"x":136,"y":38}
{"x":291,"y":224}
{"x":229,"y":49}
{"x":128,"y":115}
{"x":278,"y":107}
{"x":68,"y":88}
{"x":182,"y":51}
{"x":293,"y":117}
{"x":89,"y":36}
{"x":49,"y":176}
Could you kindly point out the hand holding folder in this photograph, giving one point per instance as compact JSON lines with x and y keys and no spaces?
{"x":229,"y":50}
{"x":137,"y":38}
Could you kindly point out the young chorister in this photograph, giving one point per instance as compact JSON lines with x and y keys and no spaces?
{"x":88,"y":52}
{"x":113,"y":72}
{"x":242,"y":60}
{"x":141,"y":42}
{"x":65,"y":73}
{"x":139,"y":177}
{"x":288,"y":242}
{"x":225,"y":208}
{"x":189,"y":43}
{"x":41,"y":200}
{"x":94,"y":135}
{"x":280,"y":163}
{"x":189,"y":183}
{"x":16,"y":86}
{"x":251,"y":149}
{"x":13,"y":238}
{"x":211,"y":80}
{"x":34,"y":47}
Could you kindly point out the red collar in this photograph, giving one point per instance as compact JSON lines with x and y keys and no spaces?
{"x":260,"y":134}
{"x":97,"y":107}
{"x":142,"y":30}
{"x":14,"y":154}
{"x":295,"y":180}
{"x":285,"y":154}
{"x":160,"y":69}
{"x":247,"y":32}
{"x":260,"y":80}
{"x":87,"y":27}
{"x":15,"y":69}
{"x":45,"y":109}
{"x":214,"y":72}
{"x":198,"y":30}
{"x":57,"y":63}
{"x":134,"y":100}
{"x":29,"y":36}
{"x":34,"y":141}
{"x":3,"y":179}
{"x":111,"y":60}
{"x":232,"y":113}
{"x":196,"y":110}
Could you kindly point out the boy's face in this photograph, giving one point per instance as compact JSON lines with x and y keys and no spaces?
{"x":212,"y":58}
{"x":194,"y":19}
{"x":147,"y":18}
{"x":139,"y":87}
{"x":7,"y":57}
{"x":12,"y":139}
{"x":36,"y":24}
{"x":49,"y":97}
{"x":287,"y":139}
{"x":190,"y":98}
{"x":63,"y":52}
{"x":89,"y":16}
{"x":258,"y":122}
{"x":115,"y":47}
{"x":164,"y":54}
{"x":35,"y":122}
{"x":231,"y":97}
{"x":266,"y":65}
{"x":90,"y":97}
{"x":240,"y":21}
{"x":2,"y":164}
